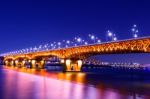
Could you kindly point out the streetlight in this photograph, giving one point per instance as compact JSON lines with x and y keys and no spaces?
{"x":35,"y":49}
{"x":114,"y":37}
{"x":78,"y":40}
{"x":135,"y":35}
{"x":134,"y":31}
{"x":85,"y":43}
{"x":52,"y":46}
{"x":63,"y":43}
{"x":59,"y":44}
{"x":109,"y":35}
{"x":45,"y":47}
{"x":98,"y":41}
{"x":92,"y":37}
{"x":68,"y":43}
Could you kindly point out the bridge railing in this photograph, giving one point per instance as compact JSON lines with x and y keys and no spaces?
{"x":87,"y":45}
{"x":104,"y":43}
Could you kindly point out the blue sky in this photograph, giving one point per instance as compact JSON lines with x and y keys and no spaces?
{"x":25,"y":23}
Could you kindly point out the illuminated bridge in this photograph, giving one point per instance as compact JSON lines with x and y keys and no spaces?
{"x":72,"y":58}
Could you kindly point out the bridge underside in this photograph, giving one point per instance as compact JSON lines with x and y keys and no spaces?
{"x":73,"y":63}
{"x":40,"y":62}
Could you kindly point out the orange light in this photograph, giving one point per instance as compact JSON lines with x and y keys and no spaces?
{"x":16,"y":61}
{"x":68,"y":62}
{"x":62,"y":61}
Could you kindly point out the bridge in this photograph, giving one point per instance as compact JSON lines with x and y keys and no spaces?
{"x":72,"y":58}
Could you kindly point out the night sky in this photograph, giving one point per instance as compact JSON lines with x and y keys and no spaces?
{"x":26,"y":23}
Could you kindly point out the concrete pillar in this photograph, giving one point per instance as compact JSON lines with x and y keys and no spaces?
{"x":40,"y":64}
{"x":37,"y":64}
{"x":33,"y":63}
{"x":68,"y":65}
{"x":80,"y":63}
{"x":18,"y":63}
{"x":71,"y":64}
{"x":7,"y":63}
{"x":24,"y":63}
{"x":12,"y":63}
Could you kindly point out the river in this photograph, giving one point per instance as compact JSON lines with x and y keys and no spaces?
{"x":39,"y":84}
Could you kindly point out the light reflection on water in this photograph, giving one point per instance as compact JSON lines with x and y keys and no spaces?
{"x":33,"y":84}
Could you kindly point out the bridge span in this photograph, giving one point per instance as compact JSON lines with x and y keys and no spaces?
{"x":72,"y":58}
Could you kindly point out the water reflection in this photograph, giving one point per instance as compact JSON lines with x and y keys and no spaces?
{"x":39,"y":84}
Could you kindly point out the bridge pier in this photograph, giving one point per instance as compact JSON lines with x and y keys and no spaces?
{"x":71,"y":64}
{"x":7,"y":63}
{"x":38,"y":64}
{"x":19,"y":63}
{"x":23,"y":63}
{"x":12,"y":63}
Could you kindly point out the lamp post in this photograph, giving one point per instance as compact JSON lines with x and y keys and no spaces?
{"x":78,"y":40}
{"x":68,"y":43}
{"x":135,"y":31}
{"x":92,"y":37}
{"x":114,"y":37}
{"x":98,"y":41}
{"x":109,"y":36}
{"x":51,"y":46}
{"x":59,"y":45}
{"x":85,"y":43}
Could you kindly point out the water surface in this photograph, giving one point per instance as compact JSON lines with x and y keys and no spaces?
{"x":38,"y":84}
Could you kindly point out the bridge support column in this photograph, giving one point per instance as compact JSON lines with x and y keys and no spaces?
{"x":33,"y":63}
{"x":16,"y":63}
{"x":38,"y":64}
{"x":12,"y":63}
{"x":19,"y":63}
{"x":24,"y":63}
{"x":71,"y":64}
{"x":7,"y":63}
{"x":42,"y":64}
